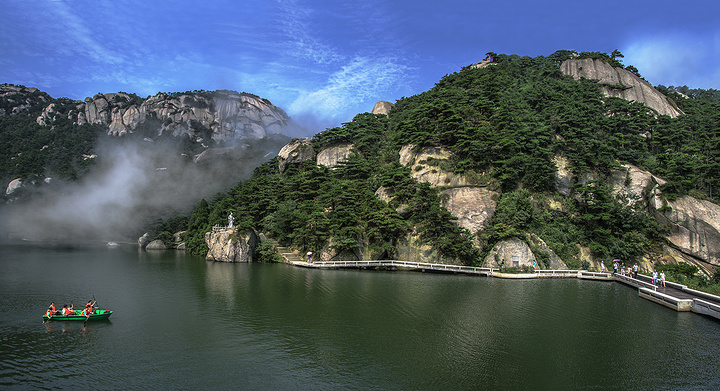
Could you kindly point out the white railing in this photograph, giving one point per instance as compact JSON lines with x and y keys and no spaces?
{"x":406,"y":264}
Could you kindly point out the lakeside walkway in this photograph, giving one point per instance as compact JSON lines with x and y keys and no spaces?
{"x":675,"y":296}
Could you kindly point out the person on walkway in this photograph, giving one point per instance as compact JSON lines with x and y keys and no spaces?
{"x":615,"y":268}
{"x":662,"y":278}
{"x":654,"y":277}
{"x":635,"y":269}
{"x":602,"y":266}
{"x":309,"y":256}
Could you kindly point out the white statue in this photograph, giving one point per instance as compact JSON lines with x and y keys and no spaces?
{"x":230,"y":220}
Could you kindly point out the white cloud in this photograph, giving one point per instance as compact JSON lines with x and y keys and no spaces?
{"x":349,"y":88}
{"x":677,"y":59}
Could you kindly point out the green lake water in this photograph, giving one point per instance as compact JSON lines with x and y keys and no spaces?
{"x":183,"y":323}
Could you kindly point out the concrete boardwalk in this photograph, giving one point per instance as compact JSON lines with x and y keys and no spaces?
{"x":675,"y":296}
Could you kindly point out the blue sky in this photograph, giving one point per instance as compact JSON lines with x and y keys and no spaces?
{"x":325,"y":61}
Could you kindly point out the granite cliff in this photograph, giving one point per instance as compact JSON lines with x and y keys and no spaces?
{"x":219,"y":115}
{"x":619,"y":82}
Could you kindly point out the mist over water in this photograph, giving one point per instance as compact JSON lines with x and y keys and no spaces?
{"x":133,"y":183}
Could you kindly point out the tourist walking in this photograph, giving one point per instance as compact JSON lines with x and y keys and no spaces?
{"x":662,"y":278}
{"x":635,"y":269}
{"x":602,"y":267}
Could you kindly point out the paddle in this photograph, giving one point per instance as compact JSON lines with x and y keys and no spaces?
{"x":87,"y":316}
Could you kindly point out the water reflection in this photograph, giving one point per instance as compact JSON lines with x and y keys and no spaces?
{"x":183,"y":323}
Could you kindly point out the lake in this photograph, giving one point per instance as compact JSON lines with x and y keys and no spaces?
{"x":183,"y":323}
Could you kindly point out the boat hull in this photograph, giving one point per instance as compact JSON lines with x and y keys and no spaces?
{"x":98,"y":315}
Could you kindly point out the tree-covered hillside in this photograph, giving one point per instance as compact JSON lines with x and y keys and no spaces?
{"x":505,"y":124}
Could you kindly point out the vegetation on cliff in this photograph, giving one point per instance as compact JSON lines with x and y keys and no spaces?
{"x":505,"y":124}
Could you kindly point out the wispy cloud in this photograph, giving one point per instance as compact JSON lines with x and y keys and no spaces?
{"x":351,"y":86}
{"x":677,"y":58}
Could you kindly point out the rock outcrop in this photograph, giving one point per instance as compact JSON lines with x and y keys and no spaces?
{"x":221,"y":115}
{"x":620,"y":83}
{"x":510,"y":253}
{"x":425,"y":166}
{"x":472,"y":206}
{"x":156,"y":245}
{"x":331,"y":156}
{"x":13,"y":186}
{"x":382,"y":107}
{"x":412,"y":249}
{"x":694,"y":226}
{"x":19,"y":99}
{"x":295,"y":152}
{"x":228,"y":245}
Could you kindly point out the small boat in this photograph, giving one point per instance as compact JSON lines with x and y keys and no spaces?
{"x":97,"y":315}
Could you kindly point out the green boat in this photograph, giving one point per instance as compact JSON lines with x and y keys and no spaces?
{"x":97,"y":315}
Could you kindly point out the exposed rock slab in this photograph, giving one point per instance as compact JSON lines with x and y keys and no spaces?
{"x":382,"y":107}
{"x":425,"y":166}
{"x":295,"y":152}
{"x":472,"y":206}
{"x":619,"y":82}
{"x":331,"y":156}
{"x":514,"y":252}
{"x":228,"y":245}
{"x":695,"y":226}
{"x":222,"y":115}
{"x":412,"y":249}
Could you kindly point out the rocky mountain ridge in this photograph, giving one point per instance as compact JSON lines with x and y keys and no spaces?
{"x":220,"y":115}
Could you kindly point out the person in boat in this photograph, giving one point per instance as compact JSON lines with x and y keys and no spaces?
{"x":89,"y":308}
{"x":50,"y":311}
{"x":68,"y":310}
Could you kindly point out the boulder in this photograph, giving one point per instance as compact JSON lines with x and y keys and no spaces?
{"x":514,"y":252}
{"x":295,"y":152}
{"x":331,"y":156}
{"x":228,"y":245}
{"x":156,"y":245}
{"x":13,"y":186}
{"x":382,"y":107}
{"x":143,"y":241}
{"x":619,"y":82}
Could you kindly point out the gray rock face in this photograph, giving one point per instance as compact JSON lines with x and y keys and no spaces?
{"x":143,"y":241}
{"x":412,"y":249}
{"x":20,"y":98}
{"x":425,"y":166}
{"x":156,"y":245}
{"x":223,"y":115}
{"x":695,"y":226}
{"x":620,"y":83}
{"x":540,"y":245}
{"x":633,"y":185}
{"x":513,"y":251}
{"x":331,"y":156}
{"x":295,"y":152}
{"x":472,"y":206}
{"x":13,"y":186}
{"x":382,"y":107}
{"x":228,"y":245}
